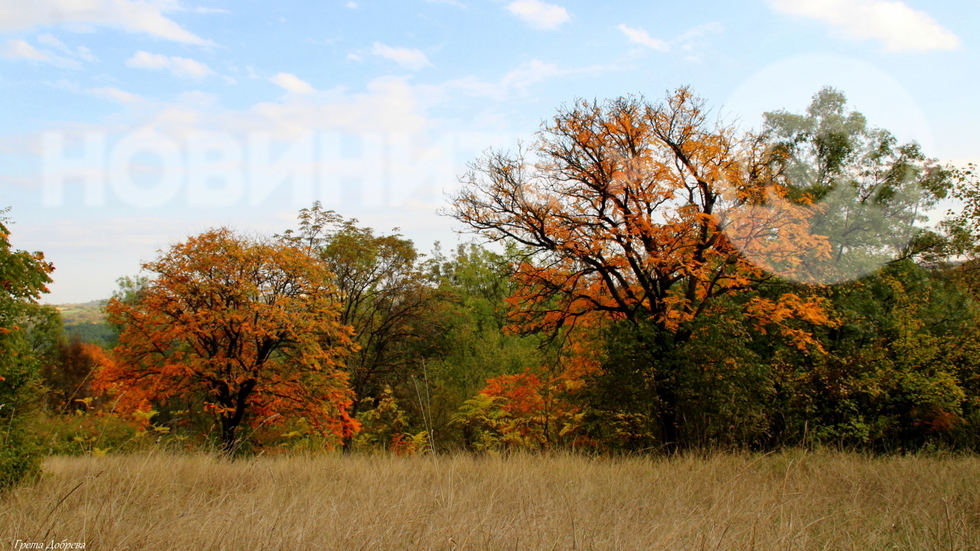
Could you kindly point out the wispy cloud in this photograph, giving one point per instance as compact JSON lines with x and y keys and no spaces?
{"x":517,"y":80}
{"x":137,"y":16}
{"x":688,"y":42}
{"x":87,"y":54}
{"x":700,"y":31}
{"x":640,"y":36}
{"x":82,"y":52}
{"x":179,"y":66}
{"x":50,"y":40}
{"x":406,"y":57}
{"x":116,"y":95}
{"x":201,"y":9}
{"x":292,"y":83}
{"x":899,"y":27}
{"x":538,"y":14}
{"x":16,"y":48}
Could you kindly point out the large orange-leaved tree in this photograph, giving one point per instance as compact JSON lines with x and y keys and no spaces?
{"x":248,"y":327}
{"x":639,"y":214}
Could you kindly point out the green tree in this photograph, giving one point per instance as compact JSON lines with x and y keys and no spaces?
{"x":381,"y":292}
{"x":23,"y":279}
{"x":466,"y":340}
{"x":898,"y":371}
{"x":869,"y":194}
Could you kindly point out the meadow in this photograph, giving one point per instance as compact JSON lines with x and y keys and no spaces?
{"x":788,"y":500}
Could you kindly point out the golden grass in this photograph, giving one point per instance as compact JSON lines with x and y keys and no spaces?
{"x":792,"y":500}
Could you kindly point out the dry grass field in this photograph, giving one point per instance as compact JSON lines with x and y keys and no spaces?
{"x":791,"y":500}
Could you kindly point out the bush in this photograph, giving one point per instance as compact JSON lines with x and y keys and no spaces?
{"x":19,"y":461}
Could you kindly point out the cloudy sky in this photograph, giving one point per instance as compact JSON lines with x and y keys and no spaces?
{"x":128,"y":125}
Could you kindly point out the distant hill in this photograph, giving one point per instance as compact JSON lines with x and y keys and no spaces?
{"x":87,"y":320}
{"x":83,"y":312}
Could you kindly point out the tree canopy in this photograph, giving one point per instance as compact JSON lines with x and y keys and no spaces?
{"x":247,"y":327}
{"x":625,"y":213}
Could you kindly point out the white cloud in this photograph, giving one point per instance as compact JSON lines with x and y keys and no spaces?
{"x":292,"y":83}
{"x":184,"y":67}
{"x":146,"y":60}
{"x":701,"y":31}
{"x":179,"y":66}
{"x":21,"y":49}
{"x":210,"y":10}
{"x":689,"y":42}
{"x":136,"y":16}
{"x":539,"y":14}
{"x":640,"y":36}
{"x":65,"y":84}
{"x":198,"y":98}
{"x":82,"y":53}
{"x":87,"y":54}
{"x":515,"y":81}
{"x":406,"y":57}
{"x":16,"y":48}
{"x":50,"y":40}
{"x":529,"y":73}
{"x":116,"y":95}
{"x":899,"y":27}
{"x":389,"y":104}
{"x":351,"y":5}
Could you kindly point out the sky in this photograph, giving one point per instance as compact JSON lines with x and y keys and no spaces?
{"x":127,"y":126}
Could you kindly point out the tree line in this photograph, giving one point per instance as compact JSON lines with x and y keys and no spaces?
{"x":659,"y":283}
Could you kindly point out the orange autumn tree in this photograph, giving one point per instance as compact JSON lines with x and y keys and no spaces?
{"x":640,"y":213}
{"x":250,"y":327}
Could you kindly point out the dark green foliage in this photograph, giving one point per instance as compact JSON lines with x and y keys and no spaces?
{"x":466,"y":341}
{"x":67,"y":375}
{"x":99,"y":334}
{"x":382,"y":293}
{"x":894,"y":371}
{"x":23,"y":277}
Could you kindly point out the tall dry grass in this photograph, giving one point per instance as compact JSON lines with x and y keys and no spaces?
{"x":792,"y":500}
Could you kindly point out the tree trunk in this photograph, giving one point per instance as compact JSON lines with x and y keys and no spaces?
{"x":228,"y":443}
{"x":667,"y":364}
{"x":229,"y":423}
{"x":668,"y":419}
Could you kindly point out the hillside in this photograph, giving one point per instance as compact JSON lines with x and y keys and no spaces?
{"x":87,"y":320}
{"x":84,"y":312}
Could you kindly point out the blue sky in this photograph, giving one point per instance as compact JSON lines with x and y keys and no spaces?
{"x":129,"y":125}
